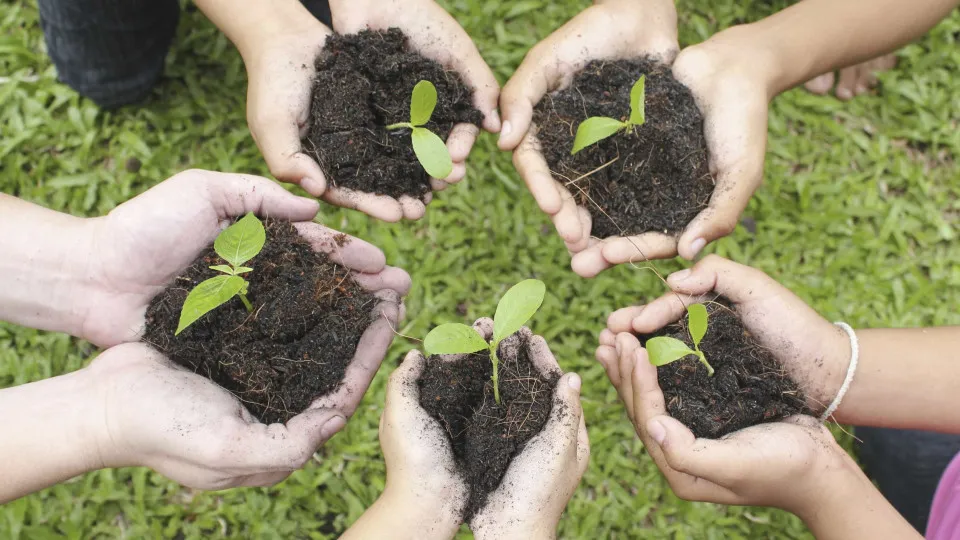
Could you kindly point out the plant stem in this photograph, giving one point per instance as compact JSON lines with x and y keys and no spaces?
{"x":703,"y":359}
{"x":399,"y":125}
{"x":496,"y":374}
{"x":246,"y":303}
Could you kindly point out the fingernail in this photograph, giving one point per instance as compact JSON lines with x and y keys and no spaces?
{"x":844,"y":93}
{"x":697,"y":246}
{"x":311,"y":186}
{"x":505,"y":129}
{"x":657,"y":431}
{"x":574,"y":382}
{"x":332,"y":426}
{"x":680,"y":276}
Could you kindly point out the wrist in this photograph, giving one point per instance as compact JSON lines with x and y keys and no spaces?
{"x":253,"y":26}
{"x":656,"y":18}
{"x":426,"y":516}
{"x":746,"y":51}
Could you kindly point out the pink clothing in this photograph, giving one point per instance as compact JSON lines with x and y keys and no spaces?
{"x":944,"y":523}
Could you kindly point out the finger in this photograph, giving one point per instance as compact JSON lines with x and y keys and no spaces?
{"x":563,"y":426}
{"x":526,"y":87}
{"x":586,"y":223}
{"x":589,"y":262}
{"x":621,"y":319}
{"x":608,"y":337}
{"x":533,"y":168}
{"x":275,"y":447}
{"x":484,"y":327}
{"x":237,"y":194}
{"x":645,"y":247}
{"x":607,"y":356}
{"x":376,"y":206}
{"x":723,"y":462}
{"x":278,"y":138}
{"x":458,"y":173}
{"x":402,"y":389}
{"x":647,"y":398}
{"x":627,"y":346}
{"x":539,"y":353}
{"x":391,"y":278}
{"x":583,"y":446}
{"x":735,"y":281}
{"x":439,"y":185}
{"x":355,"y":254}
{"x":461,"y":140}
{"x":665,"y":310}
{"x":847,"y":83}
{"x":412,"y":208}
{"x":567,"y":220}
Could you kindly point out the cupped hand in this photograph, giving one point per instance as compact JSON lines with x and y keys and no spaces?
{"x":143,"y":244}
{"x":608,"y":30}
{"x":155,"y":414}
{"x":436,"y":35}
{"x":814,"y":352}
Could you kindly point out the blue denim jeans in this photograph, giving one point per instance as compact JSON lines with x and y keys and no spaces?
{"x":907,"y":466}
{"x":112,"y":51}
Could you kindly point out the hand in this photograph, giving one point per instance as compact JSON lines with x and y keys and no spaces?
{"x":611,"y":29}
{"x":541,"y":479}
{"x":150,"y":412}
{"x":437,"y":36}
{"x":144,"y":243}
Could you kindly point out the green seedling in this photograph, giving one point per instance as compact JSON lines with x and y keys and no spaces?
{"x":664,"y":350}
{"x":237,"y":244}
{"x":429,"y":148}
{"x":514,"y":310}
{"x":597,"y":128}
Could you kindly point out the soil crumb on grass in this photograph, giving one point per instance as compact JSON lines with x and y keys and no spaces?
{"x":308,"y":316}
{"x":363,"y":84}
{"x":486,"y":436}
{"x":654,"y":179}
{"x":749,"y":387}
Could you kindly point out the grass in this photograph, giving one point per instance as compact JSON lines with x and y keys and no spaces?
{"x":858,"y":215}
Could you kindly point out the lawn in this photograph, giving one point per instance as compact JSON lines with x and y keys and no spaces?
{"x":859,"y":215}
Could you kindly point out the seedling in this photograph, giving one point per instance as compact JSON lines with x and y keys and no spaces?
{"x":597,"y":128}
{"x":237,"y":244}
{"x":429,"y":148}
{"x":514,"y":310}
{"x":664,"y":350}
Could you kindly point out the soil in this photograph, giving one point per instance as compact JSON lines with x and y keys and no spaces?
{"x":749,"y":387}
{"x":363,"y":84}
{"x":654,"y":179}
{"x":308,"y":316}
{"x":486,"y":436}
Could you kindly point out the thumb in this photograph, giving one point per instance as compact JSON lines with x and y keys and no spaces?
{"x":720,"y":218}
{"x":563,"y":426}
{"x":521,"y":93}
{"x":236,"y":194}
{"x":316,"y":426}
{"x":718,"y":461}
{"x":735,"y":281}
{"x":279,"y":141}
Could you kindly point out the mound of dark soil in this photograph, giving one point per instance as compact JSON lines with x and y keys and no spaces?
{"x":749,"y":387}
{"x":486,"y":436}
{"x":363,"y":84}
{"x":308,"y":316}
{"x":654,"y":179}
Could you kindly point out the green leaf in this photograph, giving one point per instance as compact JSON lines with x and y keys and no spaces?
{"x":207,"y":296}
{"x":516,"y":307}
{"x":241,"y":241}
{"x":453,"y":338}
{"x":663,"y":350}
{"x":422,"y":103}
{"x":432,"y":153}
{"x":243,"y":270}
{"x":638,"y":96}
{"x":697,"y":322}
{"x":595,"y":129}
{"x":223,"y":268}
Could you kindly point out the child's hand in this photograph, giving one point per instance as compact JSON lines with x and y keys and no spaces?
{"x":542,"y":478}
{"x":814,"y":352}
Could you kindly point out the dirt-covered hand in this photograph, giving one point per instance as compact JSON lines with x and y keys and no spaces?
{"x":541,"y":479}
{"x":153,"y":413}
{"x":609,"y":30}
{"x":436,"y":35}
{"x":747,"y":467}
{"x":143,"y":244}
{"x":814,"y":352}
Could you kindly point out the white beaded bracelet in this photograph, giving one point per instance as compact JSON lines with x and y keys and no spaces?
{"x":851,"y":369}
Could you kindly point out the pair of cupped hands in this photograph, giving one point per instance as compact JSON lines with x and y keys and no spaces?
{"x":727,"y":88}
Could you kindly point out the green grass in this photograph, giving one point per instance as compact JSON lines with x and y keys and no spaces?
{"x":858,"y":215}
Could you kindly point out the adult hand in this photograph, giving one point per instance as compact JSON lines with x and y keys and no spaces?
{"x":150,"y":412}
{"x":541,"y":479}
{"x":137,"y":249}
{"x":814,"y":352}
{"x":437,"y":36}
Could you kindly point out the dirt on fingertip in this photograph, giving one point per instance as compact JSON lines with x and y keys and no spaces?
{"x":307,"y":319}
{"x":363,"y":84}
{"x":485,"y":435}
{"x":750,"y":385}
{"x":655,"y":179}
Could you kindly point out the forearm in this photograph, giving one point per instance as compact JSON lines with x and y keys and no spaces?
{"x":907,"y":378}
{"x":44,"y":259}
{"x":251,"y":23}
{"x":816,"y":36}
{"x":398,"y":517}
{"x":46,"y":434}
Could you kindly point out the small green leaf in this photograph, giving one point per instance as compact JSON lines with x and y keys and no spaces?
{"x":663,"y":350}
{"x":697,"y":322}
{"x":207,"y":296}
{"x":223,"y":268}
{"x":453,"y":338}
{"x":241,"y":241}
{"x":422,"y":103}
{"x":243,"y":270}
{"x":595,"y":129}
{"x":432,"y":153}
{"x":638,"y":96}
{"x":516,"y":307}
